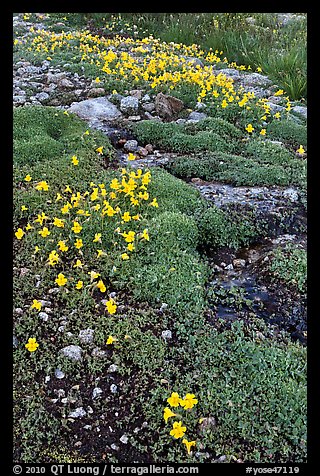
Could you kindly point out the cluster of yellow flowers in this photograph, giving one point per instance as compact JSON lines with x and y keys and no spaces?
{"x":178,"y":431}
{"x":152,"y":63}
{"x":65,"y":237}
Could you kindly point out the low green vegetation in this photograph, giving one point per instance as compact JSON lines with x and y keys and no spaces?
{"x":289,"y":265}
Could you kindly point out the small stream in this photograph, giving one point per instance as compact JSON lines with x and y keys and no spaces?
{"x":241,"y":290}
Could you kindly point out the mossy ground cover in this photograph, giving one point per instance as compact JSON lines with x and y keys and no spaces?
{"x":119,"y":252}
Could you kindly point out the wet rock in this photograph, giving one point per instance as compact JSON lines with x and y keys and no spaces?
{"x":129,"y":105}
{"x":59,"y":374}
{"x":113,"y":388}
{"x":166,"y":335}
{"x":78,"y":413}
{"x":131,"y":146}
{"x":72,"y":352}
{"x":239,"y":263}
{"x":167,"y":106}
{"x":97,"y":392}
{"x":112,"y":368}
{"x":124,"y":439}
{"x":86,"y":336}
{"x":96,"y":110}
{"x":44,"y":316}
{"x":197,"y":116}
{"x":291,"y":194}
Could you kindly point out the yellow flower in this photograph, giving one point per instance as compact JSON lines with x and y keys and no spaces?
{"x":42,"y":186}
{"x":76,"y":227}
{"x":100,"y":253}
{"x":279,"y":92}
{"x":126,"y":216}
{"x":263,"y":132}
{"x":79,"y":285}
{"x":111,"y":306}
{"x":167,"y":413}
{"x":59,"y":197}
{"x":23,"y":208}
{"x":174,"y":400}
{"x":99,"y":150}
{"x":130,"y":247}
{"x":125,"y":256}
{"x":68,"y":189}
{"x":28,"y":178}
{"x":78,"y":264}
{"x":44,"y":232}
{"x":97,"y":80}
{"x":154,"y":203}
{"x":101,"y":286}
{"x":32,"y":344}
{"x":300,"y":150}
{"x":29,"y":227}
{"x":78,"y":243}
{"x":53,"y":258}
{"x":129,"y":237}
{"x":131,"y":156}
{"x":178,"y":430}
{"x":110,"y":340}
{"x":61,"y":280}
{"x":189,"y":401}
{"x":59,"y":223}
{"x":75,"y":160}
{"x":277,"y":115}
{"x":249,"y":128}
{"x":145,"y":234}
{"x":36,"y":305}
{"x":97,"y":238}
{"x":259,"y":70}
{"x":65,"y":112}
{"x":86,"y":133}
{"x":19,"y":233}
{"x":62,"y":246}
{"x":188,"y":444}
{"x":93,"y":275}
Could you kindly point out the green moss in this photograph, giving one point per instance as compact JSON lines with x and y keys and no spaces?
{"x":42,"y":134}
{"x":289,"y":265}
{"x":288,"y":131}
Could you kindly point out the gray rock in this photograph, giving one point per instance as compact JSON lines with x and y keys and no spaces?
{"x":196,"y":116}
{"x":113,"y":388}
{"x":134,"y":118}
{"x":44,"y":316}
{"x":114,"y":447}
{"x":15,"y":341}
{"x":142,"y":151}
{"x":275,"y":107}
{"x":193,"y":61}
{"x":72,"y":352}
{"x":96,"y":110}
{"x":66,"y":84}
{"x":148,"y":106}
{"x":78,"y":413}
{"x":166,"y":335}
{"x":229,"y":266}
{"x":131,"y":146}
{"x":93,"y":92}
{"x":163,"y":306}
{"x":137,"y":93}
{"x":230,"y":73}
{"x":18,"y":311}
{"x":86,"y":336}
{"x":255,"y":79}
{"x":42,"y":96}
{"x":99,"y":353}
{"x":129,"y":105}
{"x":19,"y":99}
{"x":97,"y":392}
{"x":303,"y":110}
{"x":112,"y":368}
{"x":239,"y":263}
{"x":146,"y":98}
{"x":59,"y":374}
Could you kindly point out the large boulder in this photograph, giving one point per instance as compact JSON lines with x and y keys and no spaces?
{"x":167,"y":106}
{"x":96,"y":111}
